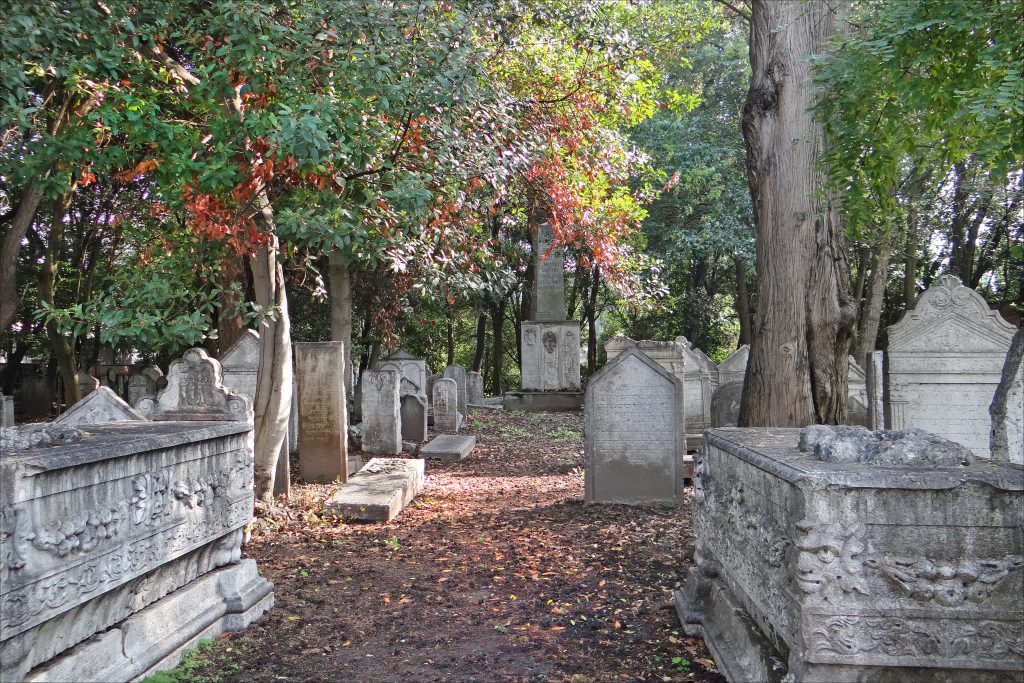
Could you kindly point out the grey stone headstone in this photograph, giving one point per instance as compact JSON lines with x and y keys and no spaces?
{"x":725,"y":404}
{"x":382,"y":420}
{"x":548,"y":300}
{"x":34,"y":396}
{"x":671,"y":356}
{"x":6,"y":411}
{"x":195,"y":391}
{"x":446,"y":406}
{"x":875,"y":383}
{"x":458,"y":373}
{"x":323,"y":416}
{"x":241,"y":364}
{"x":474,"y":388}
{"x":414,"y":418}
{"x":945,"y":359}
{"x":734,"y":367}
{"x":87,"y":383}
{"x":634,"y":439}
{"x":551,"y":356}
{"x":143,"y":384}
{"x":412,"y":370}
{"x":430,"y":386}
{"x":99,"y":407}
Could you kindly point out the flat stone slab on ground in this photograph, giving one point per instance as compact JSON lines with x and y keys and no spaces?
{"x":379,"y":491}
{"x":449,"y":447}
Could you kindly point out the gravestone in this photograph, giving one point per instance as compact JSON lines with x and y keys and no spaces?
{"x":430,"y":386}
{"x":474,"y":388}
{"x":6,"y":411}
{"x":551,"y":356}
{"x":700,"y":381}
{"x":857,"y":410}
{"x":412,"y":371}
{"x":414,"y":418}
{"x":240,"y":366}
{"x":875,"y":384}
{"x":195,"y":391}
{"x":945,"y":359}
{"x":458,"y":373}
{"x":446,"y":406}
{"x":448,"y":447}
{"x":33,"y":397}
{"x":87,"y":383}
{"x":725,"y":404}
{"x":382,"y":420}
{"x":547,"y":301}
{"x":734,"y":367}
{"x":379,"y":491}
{"x":634,"y":439}
{"x":99,"y":407}
{"x":323,"y":417}
{"x":669,"y":355}
{"x":143,"y":384}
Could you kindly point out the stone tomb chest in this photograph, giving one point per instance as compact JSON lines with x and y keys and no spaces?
{"x":634,"y":439}
{"x":854,"y":571}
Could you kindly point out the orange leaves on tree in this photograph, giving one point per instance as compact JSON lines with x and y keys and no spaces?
{"x":136,"y":172}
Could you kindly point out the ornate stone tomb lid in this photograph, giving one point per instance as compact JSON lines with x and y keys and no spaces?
{"x":99,"y":407}
{"x":195,"y":391}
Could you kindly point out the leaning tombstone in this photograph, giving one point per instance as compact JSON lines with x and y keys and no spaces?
{"x":414,"y":418}
{"x":323,"y":417}
{"x":122,"y":546}
{"x":382,"y":421}
{"x":446,"y":406}
{"x":734,"y":368}
{"x":99,"y":407}
{"x":458,"y":373}
{"x":725,"y":404}
{"x":87,"y":383}
{"x":474,"y":389}
{"x":143,"y":383}
{"x":634,"y":438}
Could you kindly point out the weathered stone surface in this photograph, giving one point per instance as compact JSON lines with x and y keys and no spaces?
{"x":6,"y":411}
{"x":857,"y":410}
{"x":547,"y":301}
{"x":669,"y":355}
{"x":851,"y":571}
{"x":33,"y":397}
{"x":634,"y":440}
{"x":909,"y":447}
{"x":449,"y":447}
{"x":195,"y":391}
{"x":458,"y":373}
{"x":379,"y":491}
{"x":543,"y":401}
{"x":323,"y":417}
{"x":700,"y":381}
{"x":430,"y":386}
{"x":38,"y":436}
{"x":446,"y":406}
{"x":945,"y":359}
{"x":143,"y":384}
{"x":551,"y":356}
{"x":382,"y":420}
{"x":99,"y":407}
{"x":241,"y":363}
{"x":411,"y":370}
{"x":117,"y":521}
{"x":474,"y":388}
{"x":414,"y":418}
{"x":725,"y":404}
{"x":875,"y":381}
{"x":734,"y":368}
{"x":87,"y":383}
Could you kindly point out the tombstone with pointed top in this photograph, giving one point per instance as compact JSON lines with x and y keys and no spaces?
{"x":414,"y":418}
{"x":474,"y":388}
{"x":734,"y":367}
{"x":669,"y":355}
{"x":99,"y":407}
{"x":701,"y":380}
{"x":87,"y":383}
{"x":458,"y":373}
{"x":143,"y":384}
{"x":195,"y":391}
{"x":446,"y":406}
{"x":635,"y":439}
{"x":382,"y":421}
{"x":412,"y":371}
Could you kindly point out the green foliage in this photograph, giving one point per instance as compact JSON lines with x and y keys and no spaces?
{"x":188,"y":670}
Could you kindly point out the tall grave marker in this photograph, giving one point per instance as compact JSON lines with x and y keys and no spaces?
{"x":382,"y":422}
{"x":323,"y":416}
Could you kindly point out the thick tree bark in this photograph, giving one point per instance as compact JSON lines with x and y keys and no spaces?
{"x":590,"y":309}
{"x":481,"y":338}
{"x":341,"y":307}
{"x":998,"y":438}
{"x":15,"y":232}
{"x":867,"y":335}
{"x":498,"y":359}
{"x":797,"y":372}
{"x":743,"y":301}
{"x":61,"y":348}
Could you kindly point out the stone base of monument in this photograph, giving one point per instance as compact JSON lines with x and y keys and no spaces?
{"x":448,"y":447}
{"x":841,"y":554}
{"x":379,"y":491}
{"x":157,"y":637}
{"x":544,"y":401}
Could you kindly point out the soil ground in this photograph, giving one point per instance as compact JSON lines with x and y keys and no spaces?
{"x":496,"y":572}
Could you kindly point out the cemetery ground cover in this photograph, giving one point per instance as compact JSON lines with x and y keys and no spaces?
{"x":496,"y":572}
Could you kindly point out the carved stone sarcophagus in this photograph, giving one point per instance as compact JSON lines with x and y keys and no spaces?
{"x":851,"y":566}
{"x":121,"y":547}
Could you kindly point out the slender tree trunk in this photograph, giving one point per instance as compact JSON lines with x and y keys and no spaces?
{"x":61,"y":347}
{"x":797,"y":372}
{"x":498,"y":359}
{"x":998,"y":439}
{"x":272,"y":406}
{"x":364,"y":340}
{"x":867,"y":335}
{"x":449,"y":318}
{"x":591,"y":311}
{"x":481,"y":338}
{"x":341,"y":307}
{"x":742,"y":301}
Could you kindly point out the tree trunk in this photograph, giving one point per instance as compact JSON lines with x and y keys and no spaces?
{"x":272,"y":406}
{"x":449,"y":317}
{"x":867,"y":335}
{"x":341,"y":308}
{"x":742,"y":301}
{"x":61,"y":347}
{"x":481,"y":338}
{"x":591,"y":311}
{"x":497,"y":328}
{"x":797,"y":372}
{"x":998,"y":438}
{"x":9,"y":298}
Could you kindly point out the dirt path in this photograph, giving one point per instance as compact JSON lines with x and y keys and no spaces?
{"x":497,"y":572}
